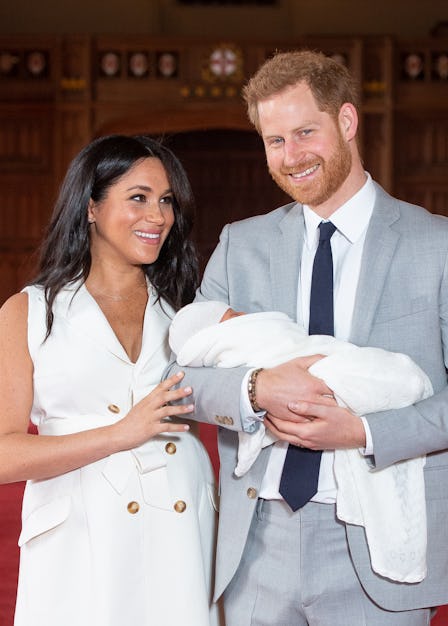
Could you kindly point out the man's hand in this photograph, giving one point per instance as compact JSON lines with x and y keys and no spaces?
{"x":288,"y":383}
{"x":318,"y":427}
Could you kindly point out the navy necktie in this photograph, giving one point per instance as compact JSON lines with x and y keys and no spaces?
{"x":301,"y":469}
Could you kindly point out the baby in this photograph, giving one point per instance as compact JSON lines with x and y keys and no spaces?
{"x":386,"y":502}
{"x":365,"y":380}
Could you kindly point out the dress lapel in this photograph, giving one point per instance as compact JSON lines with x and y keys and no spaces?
{"x":85,"y":316}
{"x":158,"y":317}
{"x":82,"y":312}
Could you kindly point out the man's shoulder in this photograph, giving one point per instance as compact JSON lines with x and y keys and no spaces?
{"x":422,"y":223}
{"x":266,"y":220}
{"x":411,"y":215}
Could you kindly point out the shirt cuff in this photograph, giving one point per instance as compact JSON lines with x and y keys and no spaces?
{"x":368,"y":450}
{"x":250,"y":421}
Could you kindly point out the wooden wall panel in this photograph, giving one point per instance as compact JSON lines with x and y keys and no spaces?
{"x":433,"y":196}
{"x":422,"y":142}
{"x":26,"y":189}
{"x":421,"y":158}
{"x":26,"y":138}
{"x":229,"y":178}
{"x":48,"y":113}
{"x":73,"y":130}
{"x":376,"y":147}
{"x":25,"y":206}
{"x":16,"y":269}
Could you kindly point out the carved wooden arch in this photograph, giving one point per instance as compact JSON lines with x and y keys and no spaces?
{"x":157,"y":122}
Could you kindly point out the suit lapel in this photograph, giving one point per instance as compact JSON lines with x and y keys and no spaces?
{"x":285,"y":254}
{"x":379,"y":249}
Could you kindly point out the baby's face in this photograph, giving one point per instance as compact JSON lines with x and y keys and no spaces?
{"x":229,"y":314}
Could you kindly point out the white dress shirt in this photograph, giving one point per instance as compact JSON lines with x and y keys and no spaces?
{"x":347,"y":244}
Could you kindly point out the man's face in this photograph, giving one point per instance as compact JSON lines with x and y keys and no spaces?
{"x":307,"y":154}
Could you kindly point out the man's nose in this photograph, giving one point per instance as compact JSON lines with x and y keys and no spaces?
{"x":293,"y":153}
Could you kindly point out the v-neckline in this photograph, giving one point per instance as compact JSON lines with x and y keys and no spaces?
{"x":112,"y":331}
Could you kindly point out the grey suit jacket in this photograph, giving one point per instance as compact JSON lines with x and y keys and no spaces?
{"x":401,"y":305}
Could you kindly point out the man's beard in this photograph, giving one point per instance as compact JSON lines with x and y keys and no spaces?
{"x":330,"y":176}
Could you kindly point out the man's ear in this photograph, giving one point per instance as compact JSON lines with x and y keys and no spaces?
{"x":348,"y":121}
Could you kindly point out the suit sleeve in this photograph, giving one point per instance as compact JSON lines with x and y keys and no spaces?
{"x":216,"y":391}
{"x":423,"y":427}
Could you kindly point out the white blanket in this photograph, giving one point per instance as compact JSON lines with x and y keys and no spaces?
{"x":388,"y":503}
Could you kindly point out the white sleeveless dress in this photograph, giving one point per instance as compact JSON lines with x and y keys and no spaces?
{"x":128,"y":539}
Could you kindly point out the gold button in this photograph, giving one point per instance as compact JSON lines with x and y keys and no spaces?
{"x":133,"y":507}
{"x":180,"y":506}
{"x":113,"y":408}
{"x":251,"y":493}
{"x":170,"y":448}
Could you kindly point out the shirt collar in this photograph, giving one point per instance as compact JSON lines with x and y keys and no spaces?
{"x":351,"y":219}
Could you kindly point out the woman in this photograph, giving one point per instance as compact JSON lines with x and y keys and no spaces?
{"x":118,"y":517}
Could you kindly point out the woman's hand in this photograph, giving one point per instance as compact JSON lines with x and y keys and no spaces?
{"x":148,"y":418}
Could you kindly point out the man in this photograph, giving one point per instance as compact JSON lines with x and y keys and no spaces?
{"x":281,"y":564}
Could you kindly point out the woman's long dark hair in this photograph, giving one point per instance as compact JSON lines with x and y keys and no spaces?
{"x":65,"y":251}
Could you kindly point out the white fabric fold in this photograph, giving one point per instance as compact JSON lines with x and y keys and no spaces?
{"x":388,"y":503}
{"x":149,"y":458}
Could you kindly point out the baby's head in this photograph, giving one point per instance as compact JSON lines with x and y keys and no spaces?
{"x":195,"y":317}
{"x":229,"y":314}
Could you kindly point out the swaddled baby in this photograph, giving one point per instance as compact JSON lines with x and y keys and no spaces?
{"x":389,"y":503}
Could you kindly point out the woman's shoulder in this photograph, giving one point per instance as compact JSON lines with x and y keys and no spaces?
{"x":13,"y":315}
{"x":16,"y":303}
{"x":16,"y":310}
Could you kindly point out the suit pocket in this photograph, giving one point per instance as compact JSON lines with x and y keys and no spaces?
{"x":44,"y":518}
{"x":399,"y":310}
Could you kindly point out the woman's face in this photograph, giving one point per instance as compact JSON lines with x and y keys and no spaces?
{"x":131,"y":224}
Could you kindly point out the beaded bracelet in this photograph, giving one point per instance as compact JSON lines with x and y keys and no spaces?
{"x":251,"y":390}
